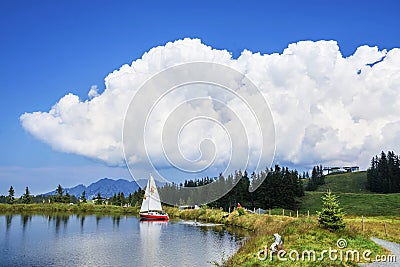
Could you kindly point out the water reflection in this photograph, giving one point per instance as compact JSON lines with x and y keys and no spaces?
{"x":9,"y":218}
{"x":150,"y":232}
{"x":81,"y":218}
{"x":116,"y":220}
{"x":82,"y":240}
{"x":98,"y":218}
{"x":57,"y":220}
{"x":24,"y":220}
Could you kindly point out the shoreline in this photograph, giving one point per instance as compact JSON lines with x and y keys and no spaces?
{"x":66,"y":208}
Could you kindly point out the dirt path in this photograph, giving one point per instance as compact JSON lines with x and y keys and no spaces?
{"x":394,"y":249}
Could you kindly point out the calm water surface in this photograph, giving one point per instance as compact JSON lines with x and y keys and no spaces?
{"x":72,"y":240}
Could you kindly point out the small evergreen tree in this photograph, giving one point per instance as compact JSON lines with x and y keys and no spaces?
{"x":10,"y":198}
{"x":83,"y":197}
{"x":99,"y":199}
{"x":59,"y":190}
{"x":114,"y":199}
{"x":331,"y":215}
{"x":66,"y":198}
{"x":27,"y":198}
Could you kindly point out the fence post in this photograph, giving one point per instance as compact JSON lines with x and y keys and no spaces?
{"x":362,"y":219}
{"x":297,"y":213}
{"x":283,"y":212}
{"x":290,"y":214}
{"x":270,"y":212}
{"x":308,"y":213}
{"x":385,"y":228}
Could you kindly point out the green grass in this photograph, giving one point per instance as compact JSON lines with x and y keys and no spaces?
{"x":299,"y":234}
{"x":356,"y":204}
{"x":305,"y":234}
{"x":66,"y":208}
{"x":381,"y":219}
{"x":345,"y":183}
{"x":353,"y":197}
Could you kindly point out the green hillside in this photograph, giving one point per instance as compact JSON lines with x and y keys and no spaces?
{"x":353,"y":197}
{"x":356,"y":204}
{"x":351,"y":182}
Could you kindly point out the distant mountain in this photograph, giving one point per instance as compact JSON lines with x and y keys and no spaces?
{"x":107,"y":187}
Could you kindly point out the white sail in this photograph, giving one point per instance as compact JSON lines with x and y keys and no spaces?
{"x":146,"y":199}
{"x":151,"y":199}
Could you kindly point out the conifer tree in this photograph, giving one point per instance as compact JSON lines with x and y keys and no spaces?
{"x":27,"y":198}
{"x":66,"y":198}
{"x":331,"y":215}
{"x":59,"y":190}
{"x":99,"y":199}
{"x":384,"y":174}
{"x":10,"y":198}
{"x":83,"y":197}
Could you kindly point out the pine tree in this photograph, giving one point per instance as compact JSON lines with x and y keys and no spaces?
{"x":66,"y":198}
{"x":114,"y":199}
{"x":383,"y":176}
{"x":10,"y":198}
{"x":99,"y":199}
{"x":83,"y":197}
{"x":59,"y":190}
{"x":27,"y":198}
{"x":331,"y":215}
{"x":122,"y":199}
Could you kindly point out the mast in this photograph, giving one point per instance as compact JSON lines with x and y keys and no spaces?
{"x":148,"y":202}
{"x":146,"y":198}
{"x":152,"y":197}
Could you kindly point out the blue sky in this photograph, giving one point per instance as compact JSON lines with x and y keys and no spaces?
{"x":52,"y":48}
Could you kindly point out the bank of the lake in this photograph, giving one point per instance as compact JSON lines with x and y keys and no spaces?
{"x":84,"y":208}
{"x":299,"y":234}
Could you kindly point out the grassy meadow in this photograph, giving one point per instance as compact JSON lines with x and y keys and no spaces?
{"x":380,"y":213}
{"x":302,"y":233}
{"x":353,"y":197}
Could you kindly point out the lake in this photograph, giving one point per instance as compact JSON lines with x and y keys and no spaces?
{"x":76,"y":240}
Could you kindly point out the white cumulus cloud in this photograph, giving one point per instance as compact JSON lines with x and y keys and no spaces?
{"x":327,"y":108}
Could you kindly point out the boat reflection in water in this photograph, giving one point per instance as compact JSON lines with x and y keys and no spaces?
{"x":150,"y":233}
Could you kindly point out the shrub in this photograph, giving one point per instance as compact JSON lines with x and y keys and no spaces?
{"x":331,"y":215}
{"x":241,"y":211}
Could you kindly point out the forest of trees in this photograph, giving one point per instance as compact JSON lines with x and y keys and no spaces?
{"x":28,"y":198}
{"x":281,"y":188}
{"x":383,"y":176}
{"x":317,"y":179}
{"x":134,"y":199}
{"x":64,"y":197}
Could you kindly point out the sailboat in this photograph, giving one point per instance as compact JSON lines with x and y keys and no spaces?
{"x":151,"y":205}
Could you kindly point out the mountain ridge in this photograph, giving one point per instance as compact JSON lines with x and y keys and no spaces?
{"x":106,"y":187}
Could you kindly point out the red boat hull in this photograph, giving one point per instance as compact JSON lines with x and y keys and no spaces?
{"x":147,"y":216}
